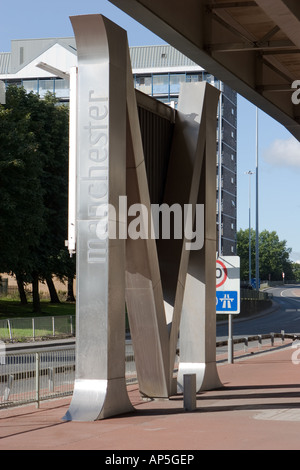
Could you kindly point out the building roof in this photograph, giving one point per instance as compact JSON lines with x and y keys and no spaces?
{"x":142,"y":57}
{"x":5,"y":61}
{"x":162,"y":56}
{"x":24,"y":51}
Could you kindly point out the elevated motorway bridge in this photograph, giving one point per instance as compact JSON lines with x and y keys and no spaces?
{"x":252,"y":46}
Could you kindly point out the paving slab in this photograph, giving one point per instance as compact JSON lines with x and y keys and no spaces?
{"x":257,"y":408}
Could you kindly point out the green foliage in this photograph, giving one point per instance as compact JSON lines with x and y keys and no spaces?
{"x":13,"y":309}
{"x":21,"y":202}
{"x":34,"y":186}
{"x":296,"y":271}
{"x":273,"y":256}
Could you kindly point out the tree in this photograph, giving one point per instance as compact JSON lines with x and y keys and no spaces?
{"x":34,"y":188}
{"x":243,"y":253}
{"x":67,"y":273}
{"x":50,"y":127}
{"x":21,"y":203}
{"x":273,"y":255}
{"x":296,"y":271}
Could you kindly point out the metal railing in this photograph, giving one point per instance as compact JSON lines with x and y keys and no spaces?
{"x":248,"y":294}
{"x":32,"y":377}
{"x":16,"y":329}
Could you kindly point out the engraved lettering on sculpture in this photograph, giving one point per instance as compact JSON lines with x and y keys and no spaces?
{"x":97,"y":177}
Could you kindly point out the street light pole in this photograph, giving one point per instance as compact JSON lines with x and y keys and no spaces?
{"x":257,"y":219}
{"x":250,"y":173}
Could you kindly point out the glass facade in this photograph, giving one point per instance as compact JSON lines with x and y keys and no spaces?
{"x":45,"y":86}
{"x":30,"y":85}
{"x":166,"y":86}
{"x":61,"y":88}
{"x":42,"y":86}
{"x":144,"y":84}
{"x":160,"y":84}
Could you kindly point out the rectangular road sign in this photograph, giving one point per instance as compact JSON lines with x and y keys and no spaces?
{"x":228,"y":285}
{"x":227,"y":301}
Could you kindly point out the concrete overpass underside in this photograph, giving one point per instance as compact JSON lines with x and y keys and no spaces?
{"x":253,"y":46}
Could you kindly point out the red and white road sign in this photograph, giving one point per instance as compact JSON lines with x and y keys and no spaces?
{"x":228,"y":284}
{"x":221,"y":273}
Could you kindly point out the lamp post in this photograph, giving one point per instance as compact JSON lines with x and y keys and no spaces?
{"x":250,"y":173}
{"x":257,"y":218}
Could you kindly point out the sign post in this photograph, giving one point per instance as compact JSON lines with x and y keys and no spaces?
{"x":228,"y":293}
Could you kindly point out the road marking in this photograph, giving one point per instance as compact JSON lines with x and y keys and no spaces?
{"x":279,"y":415}
{"x":290,"y":291}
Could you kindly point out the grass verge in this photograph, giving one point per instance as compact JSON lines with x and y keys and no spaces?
{"x":21,"y":316}
{"x":14,"y":309}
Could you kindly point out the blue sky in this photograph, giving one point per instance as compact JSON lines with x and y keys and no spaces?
{"x":279,"y":153}
{"x":279,"y":176}
{"x":32,"y":19}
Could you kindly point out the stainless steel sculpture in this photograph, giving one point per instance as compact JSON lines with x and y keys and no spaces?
{"x":100,"y":389}
{"x":156,"y":275}
{"x":159,"y":278}
{"x":198,"y":322}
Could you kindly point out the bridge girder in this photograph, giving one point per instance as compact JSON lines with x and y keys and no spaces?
{"x":252,"y":46}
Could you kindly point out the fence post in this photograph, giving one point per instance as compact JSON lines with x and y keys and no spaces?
{"x":33,"y":329}
{"x":37,"y":379}
{"x":9,"y":329}
{"x":8,"y":387}
{"x":53,"y":326}
{"x":71,"y":324}
{"x":51,"y":379}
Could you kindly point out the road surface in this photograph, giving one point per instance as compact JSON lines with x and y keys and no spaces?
{"x":285,"y":315}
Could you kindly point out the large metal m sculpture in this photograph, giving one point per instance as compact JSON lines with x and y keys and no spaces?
{"x":168,"y":283}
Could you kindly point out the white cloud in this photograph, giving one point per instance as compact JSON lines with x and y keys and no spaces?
{"x":283,"y":153}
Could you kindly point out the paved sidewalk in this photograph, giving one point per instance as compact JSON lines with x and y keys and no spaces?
{"x":258,"y":408}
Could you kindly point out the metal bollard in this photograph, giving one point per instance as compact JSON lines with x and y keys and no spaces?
{"x":282,"y":335}
{"x":189,"y":392}
{"x":272,"y":339}
{"x":246,"y":344}
{"x":260,"y":341}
